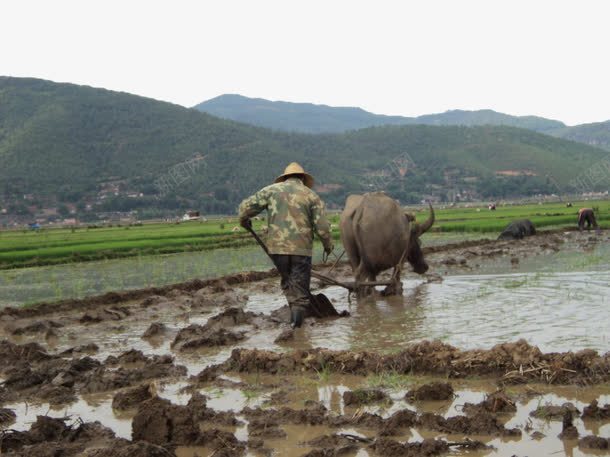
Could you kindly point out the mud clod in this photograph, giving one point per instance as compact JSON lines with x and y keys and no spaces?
{"x":311,"y":416}
{"x":481,"y":424}
{"x":333,"y":441}
{"x":195,"y":336}
{"x":428,"y":448}
{"x":90,"y":348}
{"x":139,"y":449}
{"x":224,"y":443}
{"x":554,"y":412}
{"x":231,"y":317}
{"x":11,"y":354}
{"x":51,"y":379}
{"x":7,"y":416}
{"x":267,"y":428}
{"x":151,"y":301}
{"x":37,"y":327}
{"x":432,"y":391}
{"x":214,"y":332}
{"x":131,"y":398}
{"x":155,"y":329}
{"x":436,"y":358}
{"x":339,"y":451}
{"x":163,"y":423}
{"x":130,"y":356}
{"x":57,"y":395}
{"x":114,"y":313}
{"x":160,"y":422}
{"x":286,"y":335}
{"x":594,"y":442}
{"x":103,"y":379}
{"x":50,"y":437}
{"x":593,"y":411}
{"x":364,"y":397}
{"x":497,"y":402}
{"x":401,"y":419}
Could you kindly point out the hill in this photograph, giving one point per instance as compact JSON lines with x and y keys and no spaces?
{"x":489,"y":117}
{"x":293,"y":117}
{"x":596,"y":134}
{"x":310,"y":118}
{"x":88,"y":150}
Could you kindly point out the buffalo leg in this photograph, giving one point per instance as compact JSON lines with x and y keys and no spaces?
{"x":395,"y":288}
{"x":361,"y":276}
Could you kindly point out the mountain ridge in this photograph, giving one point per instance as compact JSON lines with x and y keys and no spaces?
{"x":81,"y":146}
{"x":314,"y":118}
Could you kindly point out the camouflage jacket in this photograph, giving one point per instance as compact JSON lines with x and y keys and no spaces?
{"x":294,"y":213}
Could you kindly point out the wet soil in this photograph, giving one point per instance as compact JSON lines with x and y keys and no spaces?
{"x":555,"y":412}
{"x":432,"y":391}
{"x":131,"y":398}
{"x":595,"y":412}
{"x":50,"y":437}
{"x":594,"y":442}
{"x":496,"y":402}
{"x":361,"y":397}
{"x":200,"y":369}
{"x":503,"y":361}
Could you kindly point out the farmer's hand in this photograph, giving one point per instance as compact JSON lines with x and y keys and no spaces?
{"x":246,"y":223}
{"x":329,"y":248}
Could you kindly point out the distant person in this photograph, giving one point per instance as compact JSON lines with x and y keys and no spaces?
{"x":492,"y":207}
{"x":568,"y":205}
{"x":294,"y":214}
{"x":586,"y":216}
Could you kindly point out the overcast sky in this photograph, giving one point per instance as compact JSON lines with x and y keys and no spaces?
{"x":547,"y":58}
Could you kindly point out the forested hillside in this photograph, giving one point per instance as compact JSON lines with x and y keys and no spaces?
{"x":310,"y":118}
{"x":62,"y":144}
{"x":307,"y":117}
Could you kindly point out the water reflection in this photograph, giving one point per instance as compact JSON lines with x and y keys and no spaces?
{"x":556,"y":311}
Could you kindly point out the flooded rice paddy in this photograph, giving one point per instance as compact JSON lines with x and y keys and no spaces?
{"x":60,"y":282}
{"x":555,"y":296}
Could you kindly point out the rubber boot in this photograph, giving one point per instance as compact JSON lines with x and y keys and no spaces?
{"x":296,"y":317}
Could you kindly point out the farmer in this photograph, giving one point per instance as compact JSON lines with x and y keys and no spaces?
{"x":294,"y":213}
{"x":586,"y":215}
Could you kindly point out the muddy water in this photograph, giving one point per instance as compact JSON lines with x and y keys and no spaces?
{"x":556,"y":310}
{"x":471,"y":311}
{"x":556,"y":300}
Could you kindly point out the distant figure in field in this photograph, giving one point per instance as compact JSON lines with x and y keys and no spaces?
{"x":586,"y":215}
{"x":568,"y":205}
{"x":492,"y":207}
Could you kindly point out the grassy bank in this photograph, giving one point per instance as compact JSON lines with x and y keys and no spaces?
{"x":54,"y":246}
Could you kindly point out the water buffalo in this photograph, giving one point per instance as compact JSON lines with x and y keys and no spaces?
{"x":377,"y":235}
{"x":586,"y":216}
{"x":516,"y":230}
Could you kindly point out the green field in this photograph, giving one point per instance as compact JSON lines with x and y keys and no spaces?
{"x":480,"y":219}
{"x":54,"y":246}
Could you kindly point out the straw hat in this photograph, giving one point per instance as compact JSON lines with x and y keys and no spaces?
{"x":295,"y":169}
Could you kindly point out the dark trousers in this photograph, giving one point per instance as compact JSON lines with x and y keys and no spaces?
{"x":587,"y":217}
{"x":296,"y":275}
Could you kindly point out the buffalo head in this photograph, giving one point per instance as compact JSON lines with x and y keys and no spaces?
{"x":415,"y":256}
